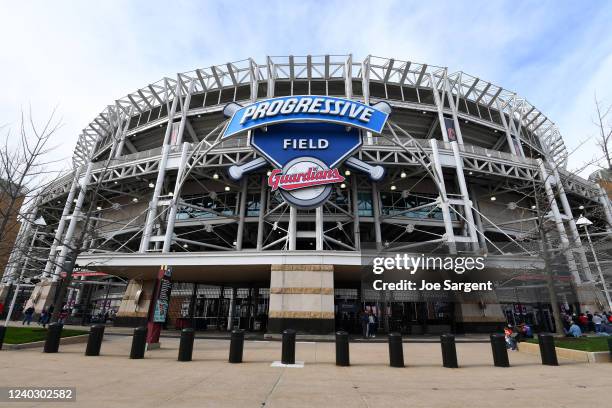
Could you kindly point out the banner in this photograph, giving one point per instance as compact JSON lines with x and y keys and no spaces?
{"x":163,"y":295}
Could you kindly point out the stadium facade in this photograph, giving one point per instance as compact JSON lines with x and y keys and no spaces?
{"x":459,"y":166}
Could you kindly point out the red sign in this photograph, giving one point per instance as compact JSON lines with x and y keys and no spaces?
{"x":309,"y":178}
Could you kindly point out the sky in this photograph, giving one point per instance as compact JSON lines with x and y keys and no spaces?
{"x":79,"y":57}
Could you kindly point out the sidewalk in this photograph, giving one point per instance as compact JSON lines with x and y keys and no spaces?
{"x":113,"y":380}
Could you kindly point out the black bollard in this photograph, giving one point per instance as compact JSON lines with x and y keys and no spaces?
{"x":139,"y":342}
{"x":54,"y":334}
{"x":500,"y":352}
{"x":2,"y":333}
{"x":449,"y":351}
{"x":288,"y":351}
{"x":396,"y":350}
{"x":342,"y":349}
{"x":547,"y":349}
{"x":94,"y":342}
{"x":236,"y":346}
{"x":186,"y":344}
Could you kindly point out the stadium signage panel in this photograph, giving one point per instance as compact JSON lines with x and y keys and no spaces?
{"x":306,"y":108}
{"x":305,"y":138}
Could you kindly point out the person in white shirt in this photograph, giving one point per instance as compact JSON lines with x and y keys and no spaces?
{"x":597,"y":322}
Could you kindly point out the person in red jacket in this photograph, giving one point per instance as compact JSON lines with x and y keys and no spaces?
{"x":583,"y":321}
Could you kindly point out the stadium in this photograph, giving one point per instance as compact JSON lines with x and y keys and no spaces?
{"x":430,"y":161}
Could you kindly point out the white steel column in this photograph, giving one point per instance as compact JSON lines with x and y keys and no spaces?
{"x":292,"y":229}
{"x":161,"y":172}
{"x":467,"y":203}
{"x":601,"y":276}
{"x":517,"y":134}
{"x":607,"y":207}
{"x":319,"y":228}
{"x":76,"y":214}
{"x":565,"y":245}
{"x":572,"y":227}
{"x":121,"y":133}
{"x":509,"y":138}
{"x":175,"y":198}
{"x":481,"y":239}
{"x":439,"y":107}
{"x":444,"y":204}
{"x":453,"y":107}
{"x":376,"y":215}
{"x":184,"y":110}
{"x":60,"y":226}
{"x":355,"y":199}
{"x":242,"y":211}
{"x":262,"y":214}
{"x":348,"y":76}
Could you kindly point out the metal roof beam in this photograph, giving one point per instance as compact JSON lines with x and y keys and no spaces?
{"x":483,"y":93}
{"x":471,"y":88}
{"x":389,"y":69}
{"x":421,"y":75}
{"x":405,"y":73}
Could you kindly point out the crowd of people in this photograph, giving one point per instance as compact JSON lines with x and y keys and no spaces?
{"x":599,"y":323}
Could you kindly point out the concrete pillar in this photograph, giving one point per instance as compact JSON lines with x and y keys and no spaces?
{"x":134,"y":307}
{"x":302,"y":298}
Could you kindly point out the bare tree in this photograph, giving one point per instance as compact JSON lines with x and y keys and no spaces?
{"x":24,"y":170}
{"x":604,"y":126}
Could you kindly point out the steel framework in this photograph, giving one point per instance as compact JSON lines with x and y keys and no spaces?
{"x":155,"y":144}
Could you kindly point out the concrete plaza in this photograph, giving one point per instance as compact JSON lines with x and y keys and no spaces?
{"x":112,"y":380}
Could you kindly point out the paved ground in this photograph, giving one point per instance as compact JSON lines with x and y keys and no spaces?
{"x":112,"y":380}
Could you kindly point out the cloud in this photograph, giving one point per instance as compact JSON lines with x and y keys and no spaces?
{"x":83,"y":56}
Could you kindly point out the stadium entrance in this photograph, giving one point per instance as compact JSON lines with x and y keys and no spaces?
{"x":218,"y":307}
{"x":353,"y":306}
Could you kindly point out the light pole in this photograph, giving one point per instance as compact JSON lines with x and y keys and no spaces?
{"x":585,"y":222}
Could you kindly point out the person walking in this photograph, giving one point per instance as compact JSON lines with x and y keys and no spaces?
{"x":371,"y":324}
{"x":27,"y":316}
{"x":364,"y":323}
{"x":597,"y":320}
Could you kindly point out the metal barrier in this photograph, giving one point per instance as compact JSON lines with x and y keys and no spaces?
{"x":396,"y":350}
{"x":288,"y":350}
{"x":342,"y":349}
{"x":449,"y":351}
{"x":139,"y":342}
{"x":54,"y":334}
{"x":186,"y":344}
{"x":500,"y":352}
{"x":236,"y":346}
{"x":94,"y":341}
